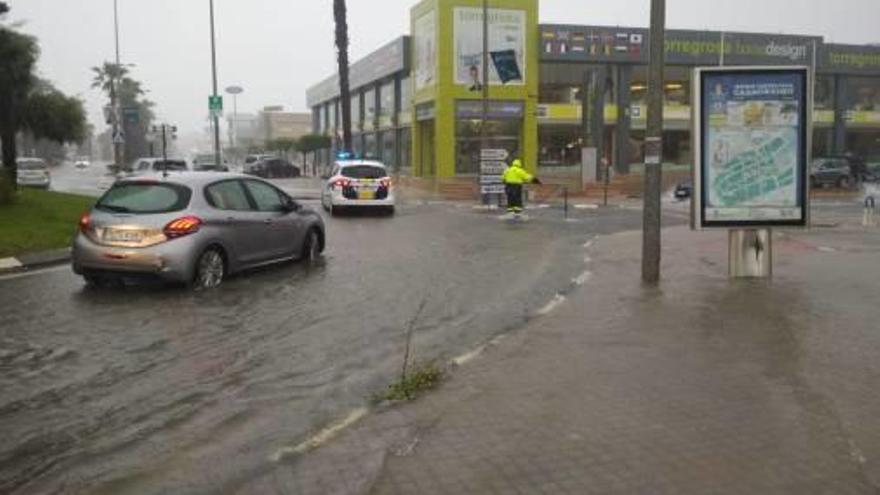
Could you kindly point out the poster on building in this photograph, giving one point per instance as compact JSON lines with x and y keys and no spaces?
{"x":507,"y":31}
{"x":751,"y":143}
{"x":425,"y":50}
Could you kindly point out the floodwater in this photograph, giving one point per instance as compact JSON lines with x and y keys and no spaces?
{"x":149,"y":389}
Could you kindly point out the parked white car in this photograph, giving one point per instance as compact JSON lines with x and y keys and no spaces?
{"x":33,"y":172}
{"x":358,"y":184}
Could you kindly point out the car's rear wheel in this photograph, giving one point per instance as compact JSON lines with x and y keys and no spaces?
{"x":210,"y":269}
{"x":311,"y":249}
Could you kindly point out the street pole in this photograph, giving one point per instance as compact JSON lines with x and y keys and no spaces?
{"x":114,"y":102}
{"x":651,"y":240}
{"x":484,"y":135}
{"x":215,"y":115}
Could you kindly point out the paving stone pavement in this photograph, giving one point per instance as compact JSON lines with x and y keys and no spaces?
{"x":703,"y":386}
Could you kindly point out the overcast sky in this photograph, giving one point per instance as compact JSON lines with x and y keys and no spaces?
{"x":275,"y":49}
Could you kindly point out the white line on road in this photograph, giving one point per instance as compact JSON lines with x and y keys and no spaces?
{"x":552,"y":305}
{"x":583,"y":278}
{"x":321,"y":437}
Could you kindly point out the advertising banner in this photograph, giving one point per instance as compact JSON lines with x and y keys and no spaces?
{"x":507,"y":32}
{"x":751,"y":146}
{"x":425,"y":50}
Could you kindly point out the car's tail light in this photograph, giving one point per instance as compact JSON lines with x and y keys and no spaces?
{"x":85,"y":221}
{"x":342,"y":183}
{"x":386,"y":183}
{"x":182,"y":226}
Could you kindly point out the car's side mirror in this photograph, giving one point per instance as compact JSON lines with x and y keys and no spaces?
{"x":290,"y":205}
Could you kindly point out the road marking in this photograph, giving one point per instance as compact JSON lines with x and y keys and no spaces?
{"x":583,"y":278}
{"x":468,"y":356}
{"x":321,"y":437}
{"x":43,"y":271}
{"x":554,"y":303}
{"x":9,"y":263}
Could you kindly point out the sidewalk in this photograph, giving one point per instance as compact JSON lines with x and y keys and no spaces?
{"x":703,"y":386}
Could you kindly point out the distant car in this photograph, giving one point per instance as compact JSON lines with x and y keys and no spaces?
{"x":193,"y":228}
{"x":33,"y":172}
{"x":148,"y":166}
{"x":684,"y":189}
{"x":255,"y":158}
{"x":273,"y":168}
{"x":82,"y":163}
{"x":358,"y":184}
{"x":832,"y":172}
{"x":208,"y":163}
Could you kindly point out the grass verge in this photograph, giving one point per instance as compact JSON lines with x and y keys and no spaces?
{"x":39,"y":221}
{"x":413,"y":384}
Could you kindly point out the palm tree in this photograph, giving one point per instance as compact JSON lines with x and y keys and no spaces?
{"x":339,"y":16}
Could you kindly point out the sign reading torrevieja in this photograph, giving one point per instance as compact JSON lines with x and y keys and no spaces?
{"x":751,"y":143}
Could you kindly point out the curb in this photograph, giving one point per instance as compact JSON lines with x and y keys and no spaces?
{"x":32,"y":261}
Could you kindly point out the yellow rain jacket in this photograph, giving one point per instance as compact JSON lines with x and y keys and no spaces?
{"x":516,"y":174}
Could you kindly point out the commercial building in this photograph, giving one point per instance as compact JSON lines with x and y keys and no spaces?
{"x":416,"y":102}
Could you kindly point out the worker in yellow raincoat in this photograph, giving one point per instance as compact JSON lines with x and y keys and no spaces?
{"x":514,"y":177}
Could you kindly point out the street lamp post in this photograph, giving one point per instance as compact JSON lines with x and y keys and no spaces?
{"x":215,"y":114}
{"x":234,"y":91}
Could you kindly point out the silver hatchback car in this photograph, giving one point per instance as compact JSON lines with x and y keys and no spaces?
{"x":193,"y":228}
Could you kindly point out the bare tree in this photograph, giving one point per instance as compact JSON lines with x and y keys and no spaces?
{"x":340,"y":17}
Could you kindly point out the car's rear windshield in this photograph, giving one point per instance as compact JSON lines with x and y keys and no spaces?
{"x":170,"y":165}
{"x":145,"y":198}
{"x":31,"y":165}
{"x":363,"y":172}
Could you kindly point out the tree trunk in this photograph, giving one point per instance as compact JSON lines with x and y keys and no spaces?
{"x":9,"y":155}
{"x":340,"y":15}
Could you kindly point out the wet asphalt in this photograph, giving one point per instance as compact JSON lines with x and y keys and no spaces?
{"x":148,"y":389}
{"x":152,"y":389}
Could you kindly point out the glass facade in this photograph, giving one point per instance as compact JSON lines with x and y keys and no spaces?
{"x":370,"y":109}
{"x":356,"y":122}
{"x":386,"y":104}
{"x":503,"y":134}
{"x":863,"y":94}
{"x":560,"y":145}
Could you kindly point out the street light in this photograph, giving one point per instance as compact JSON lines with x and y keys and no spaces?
{"x":215,"y":114}
{"x":234,"y":91}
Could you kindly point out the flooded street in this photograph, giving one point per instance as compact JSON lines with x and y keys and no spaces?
{"x":158,"y":390}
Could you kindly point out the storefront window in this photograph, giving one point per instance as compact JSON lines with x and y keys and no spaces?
{"x":369,"y":108}
{"x":356,"y":111}
{"x":405,"y":95}
{"x":863,"y":93}
{"x":559,"y":145}
{"x":403,"y":160}
{"x":370,"y":146}
{"x":560,"y":94}
{"x":386,"y":108}
{"x":824,"y":93}
{"x":503,"y":134}
{"x":389,"y":157}
{"x":332,"y":116}
{"x":322,"y":119}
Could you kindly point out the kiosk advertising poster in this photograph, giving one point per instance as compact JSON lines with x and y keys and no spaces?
{"x":751,"y":143}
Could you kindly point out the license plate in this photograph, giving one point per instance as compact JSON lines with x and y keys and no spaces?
{"x":362,"y":194}
{"x":123,"y":235}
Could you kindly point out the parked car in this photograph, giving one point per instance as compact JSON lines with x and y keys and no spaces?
{"x":273,"y":168}
{"x":33,"y":172}
{"x":193,"y":228}
{"x":208,"y":163}
{"x":684,"y":189}
{"x":82,"y":163}
{"x":148,"y":166}
{"x":358,"y":184}
{"x":832,"y":172}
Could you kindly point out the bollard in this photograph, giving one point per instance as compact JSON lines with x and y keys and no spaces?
{"x":870,"y":206}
